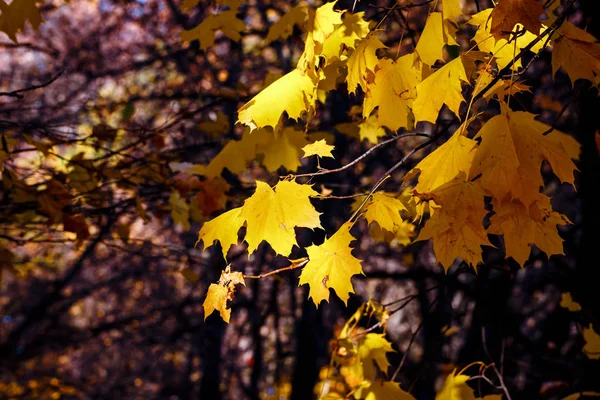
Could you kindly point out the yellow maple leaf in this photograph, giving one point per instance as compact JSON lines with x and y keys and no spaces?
{"x":566,"y":301}
{"x":283,"y":150}
{"x":372,"y":350}
{"x":592,"y":343}
{"x":225,"y":21}
{"x":384,"y":209}
{"x":353,"y":28}
{"x":223,"y":228}
{"x":455,"y":388}
{"x":576,"y":52}
{"x":508,"y":13}
{"x":444,"y":163}
{"x":437,"y":33}
{"x":456,"y":227}
{"x":430,"y":98}
{"x":370,"y":129}
{"x":402,"y":234}
{"x":392,"y":91}
{"x":523,"y":225}
{"x":503,"y":51}
{"x":451,"y":9}
{"x":219,"y":293}
{"x":15,"y":15}
{"x":510,"y":155}
{"x":362,"y":62}
{"x":324,"y":21}
{"x":386,"y":390}
{"x":271,"y":215}
{"x":319,"y":148}
{"x":284,"y":26}
{"x":331,"y":265}
{"x":293,"y":93}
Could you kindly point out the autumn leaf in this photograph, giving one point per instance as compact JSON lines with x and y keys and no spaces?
{"x":576,"y":52}
{"x":283,"y":28}
{"x":455,"y":388}
{"x":293,"y":93}
{"x":392,"y":91}
{"x":283,"y":150}
{"x":503,"y":51}
{"x":362,"y":62}
{"x":15,"y":15}
{"x":223,"y":228}
{"x":437,"y":33}
{"x":219,"y":293}
{"x":508,"y":13}
{"x":523,"y":225}
{"x":385,"y":390}
{"x":457,"y":226}
{"x":512,"y":149}
{"x":370,"y":129}
{"x":180,"y":210}
{"x":225,"y":21}
{"x":372,"y":350}
{"x":566,"y":301}
{"x":272,"y":214}
{"x":430,"y":98}
{"x":451,"y":9}
{"x":592,"y":343}
{"x":384,"y":209}
{"x":331,"y":265}
{"x":443,"y":164}
{"x":319,"y":148}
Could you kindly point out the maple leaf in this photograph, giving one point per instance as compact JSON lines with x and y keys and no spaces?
{"x":503,"y":52}
{"x":437,"y":33}
{"x":370,"y":129}
{"x":331,"y":265}
{"x":293,"y":93}
{"x":372,"y":350}
{"x":508,"y":13}
{"x":352,"y":29}
{"x":523,"y":225}
{"x":392,"y":91}
{"x":451,"y":9}
{"x":566,"y":301}
{"x":402,"y":235}
{"x":386,"y":390}
{"x":576,"y":52}
{"x":15,"y":15}
{"x":443,"y":164}
{"x":362,"y":62}
{"x":455,"y":388}
{"x":319,"y":148}
{"x":271,"y":215}
{"x":592,"y":343}
{"x":457,"y":226}
{"x":384,"y":209}
{"x":219,"y":293}
{"x":223,"y":228}
{"x":324,"y":21}
{"x":225,"y":21}
{"x":510,"y":155}
{"x":283,"y":150}
{"x":284,"y":26}
{"x":430,"y":98}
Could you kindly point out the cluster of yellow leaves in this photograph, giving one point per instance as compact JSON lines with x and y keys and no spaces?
{"x":360,"y":361}
{"x":16,"y":13}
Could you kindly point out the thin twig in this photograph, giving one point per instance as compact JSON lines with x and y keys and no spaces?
{"x":364,"y":155}
{"x":17,"y":93}
{"x":498,"y":373}
{"x":296,"y":265}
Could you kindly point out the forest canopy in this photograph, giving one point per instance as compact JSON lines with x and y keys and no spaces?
{"x":350,"y":199}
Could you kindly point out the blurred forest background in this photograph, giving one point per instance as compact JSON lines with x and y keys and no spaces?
{"x":101,"y":287}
